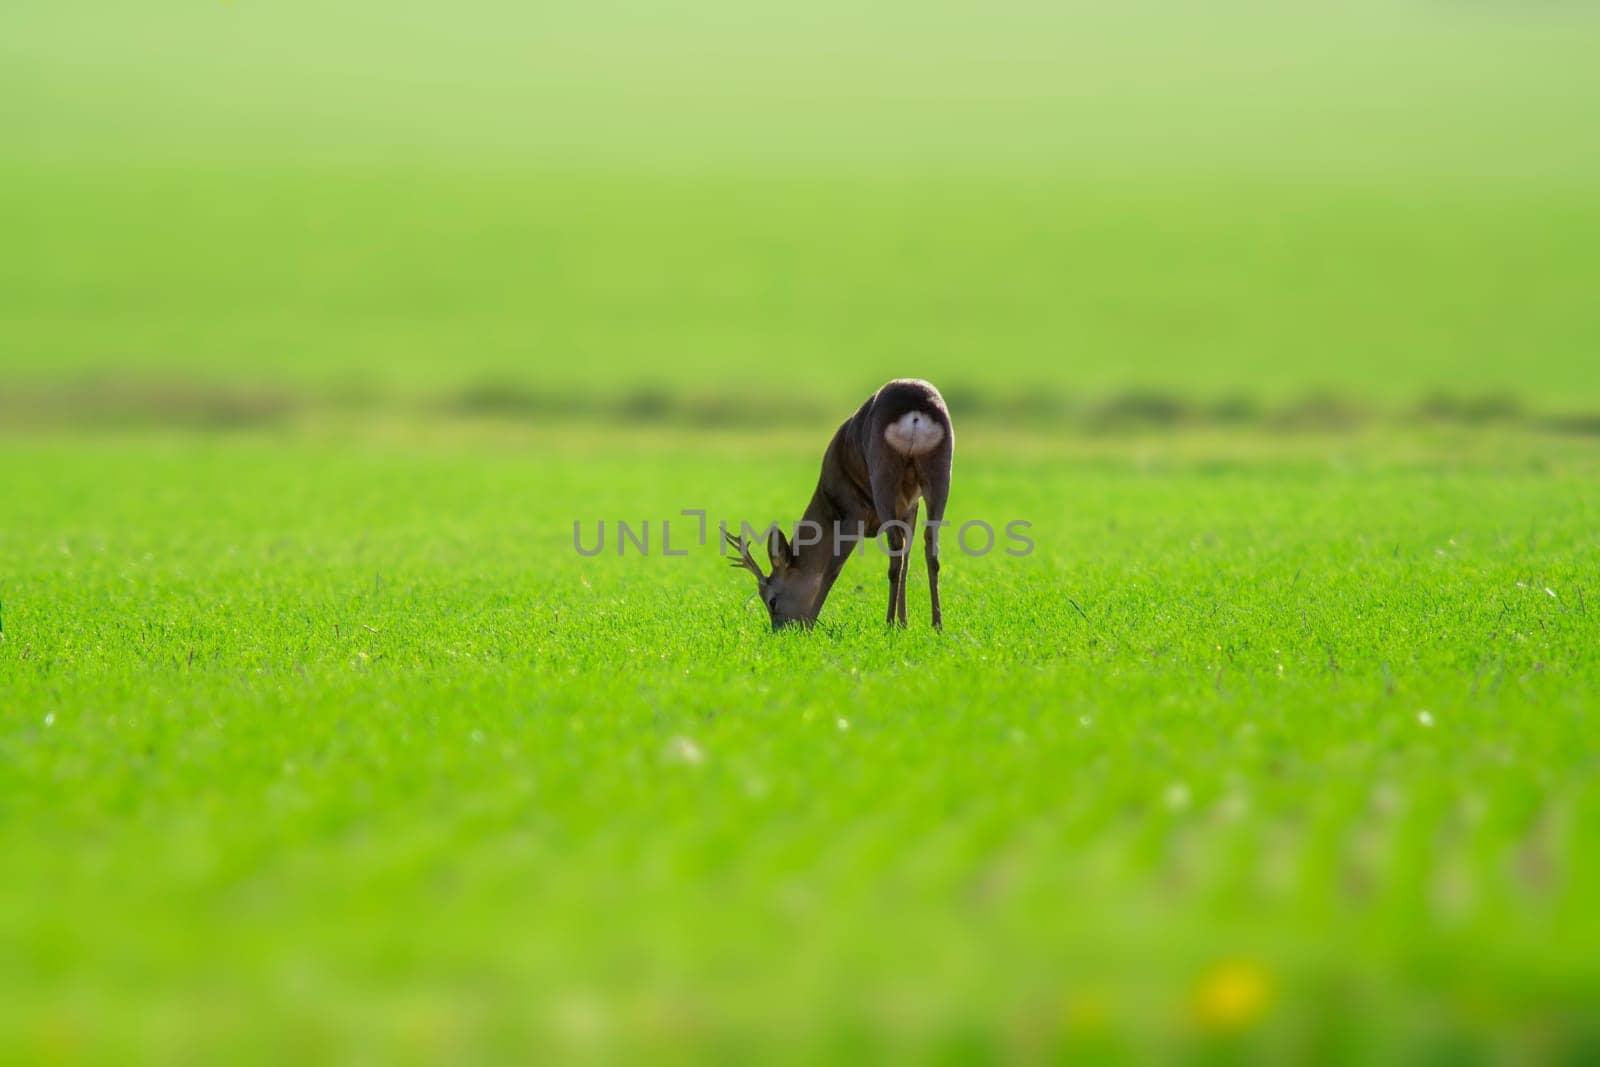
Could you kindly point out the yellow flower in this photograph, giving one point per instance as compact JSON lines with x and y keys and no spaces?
{"x":1233,"y":995}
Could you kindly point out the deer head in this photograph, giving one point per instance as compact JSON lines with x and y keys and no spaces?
{"x":789,"y":592}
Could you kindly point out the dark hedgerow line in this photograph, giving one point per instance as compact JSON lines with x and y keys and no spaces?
{"x":111,"y":404}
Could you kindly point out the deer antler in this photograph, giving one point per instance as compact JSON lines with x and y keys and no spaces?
{"x":745,"y":561}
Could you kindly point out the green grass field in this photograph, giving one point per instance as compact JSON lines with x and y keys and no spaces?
{"x":344,"y":750}
{"x":321,"y":325}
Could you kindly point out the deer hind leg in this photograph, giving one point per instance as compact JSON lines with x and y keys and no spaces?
{"x":935,"y":478}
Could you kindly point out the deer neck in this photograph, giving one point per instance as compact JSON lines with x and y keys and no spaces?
{"x":824,"y":560}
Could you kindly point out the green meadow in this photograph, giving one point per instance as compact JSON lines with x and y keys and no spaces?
{"x":343,"y":750}
{"x":322,"y":326}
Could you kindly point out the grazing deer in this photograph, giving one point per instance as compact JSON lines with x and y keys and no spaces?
{"x":891,"y":454}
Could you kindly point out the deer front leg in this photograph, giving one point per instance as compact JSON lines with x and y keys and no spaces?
{"x":888,"y":476}
{"x":910,"y":519}
{"x":897,"y":572}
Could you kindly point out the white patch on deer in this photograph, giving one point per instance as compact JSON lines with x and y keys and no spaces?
{"x":914,"y":433}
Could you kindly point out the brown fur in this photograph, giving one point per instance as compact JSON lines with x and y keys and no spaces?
{"x":865,"y":483}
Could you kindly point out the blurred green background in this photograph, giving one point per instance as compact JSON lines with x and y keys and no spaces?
{"x":660,"y":207}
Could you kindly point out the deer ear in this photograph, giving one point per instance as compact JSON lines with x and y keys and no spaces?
{"x":778,"y":548}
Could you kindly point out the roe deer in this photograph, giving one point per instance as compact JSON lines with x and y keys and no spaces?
{"x":891,"y":454}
